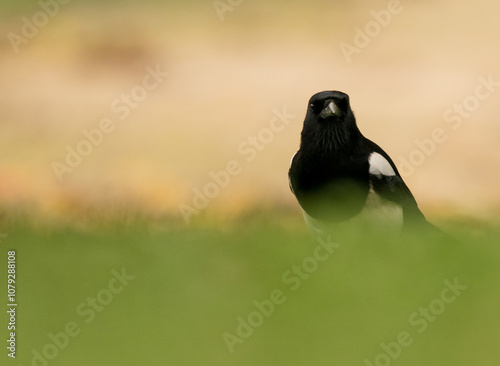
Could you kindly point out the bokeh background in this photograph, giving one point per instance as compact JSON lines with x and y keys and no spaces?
{"x":231,"y":66}
{"x":225,"y":79}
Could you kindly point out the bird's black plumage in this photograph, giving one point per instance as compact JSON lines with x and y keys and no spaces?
{"x":338,"y":174}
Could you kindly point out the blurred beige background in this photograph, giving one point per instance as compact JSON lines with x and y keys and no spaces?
{"x":226,"y":79}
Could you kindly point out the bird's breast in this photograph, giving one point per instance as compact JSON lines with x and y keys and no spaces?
{"x":335,"y":200}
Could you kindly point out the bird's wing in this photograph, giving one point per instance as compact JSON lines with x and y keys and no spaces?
{"x":388,"y":184}
{"x":383,"y":178}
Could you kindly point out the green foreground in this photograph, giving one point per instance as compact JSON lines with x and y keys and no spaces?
{"x":255,"y":292}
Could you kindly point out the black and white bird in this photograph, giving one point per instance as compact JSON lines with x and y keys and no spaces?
{"x":339,"y":176}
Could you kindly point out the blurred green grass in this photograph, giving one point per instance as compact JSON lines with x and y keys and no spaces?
{"x":193,"y":282}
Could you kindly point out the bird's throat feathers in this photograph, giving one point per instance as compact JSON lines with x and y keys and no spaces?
{"x":327,"y":138}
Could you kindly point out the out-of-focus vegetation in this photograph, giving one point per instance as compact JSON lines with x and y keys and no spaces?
{"x":226,"y":80}
{"x":190,"y":288}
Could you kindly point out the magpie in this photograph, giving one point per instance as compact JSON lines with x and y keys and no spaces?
{"x":339,"y":176}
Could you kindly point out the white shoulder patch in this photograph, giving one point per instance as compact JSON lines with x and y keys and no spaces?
{"x":379,"y":165}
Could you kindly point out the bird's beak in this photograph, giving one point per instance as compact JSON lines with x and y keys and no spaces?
{"x":330,"y":110}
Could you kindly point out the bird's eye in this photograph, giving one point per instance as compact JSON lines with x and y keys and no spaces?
{"x":315,"y":106}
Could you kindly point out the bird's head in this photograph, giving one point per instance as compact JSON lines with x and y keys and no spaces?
{"x":328,"y":106}
{"x":329,"y":120}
